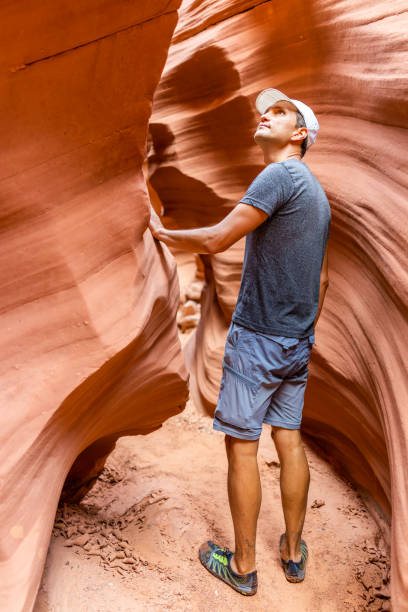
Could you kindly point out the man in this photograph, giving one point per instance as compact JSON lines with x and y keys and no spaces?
{"x":286,"y":217}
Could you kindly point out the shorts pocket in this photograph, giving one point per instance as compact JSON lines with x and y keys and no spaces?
{"x":240,"y":338}
{"x":304,"y":356}
{"x":236,"y":403}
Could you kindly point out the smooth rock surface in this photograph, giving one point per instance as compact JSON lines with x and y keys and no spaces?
{"x":348,"y":62}
{"x":90,"y":350}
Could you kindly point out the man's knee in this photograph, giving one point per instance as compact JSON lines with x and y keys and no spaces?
{"x":286,"y":440}
{"x":240,"y":449}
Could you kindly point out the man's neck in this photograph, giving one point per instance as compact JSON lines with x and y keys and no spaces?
{"x":280,"y":155}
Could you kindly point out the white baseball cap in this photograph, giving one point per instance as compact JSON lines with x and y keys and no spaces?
{"x":269,"y":97}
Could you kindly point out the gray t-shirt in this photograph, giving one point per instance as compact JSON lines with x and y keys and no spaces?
{"x":280,"y":281}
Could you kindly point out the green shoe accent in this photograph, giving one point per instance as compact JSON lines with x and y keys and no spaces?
{"x":217,"y":561}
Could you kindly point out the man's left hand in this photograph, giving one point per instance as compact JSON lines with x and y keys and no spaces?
{"x":155,"y":225}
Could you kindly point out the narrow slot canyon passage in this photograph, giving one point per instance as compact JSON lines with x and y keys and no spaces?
{"x":132,"y":542}
{"x":110,"y":109}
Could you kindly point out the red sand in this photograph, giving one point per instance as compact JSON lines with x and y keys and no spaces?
{"x":163,"y":494}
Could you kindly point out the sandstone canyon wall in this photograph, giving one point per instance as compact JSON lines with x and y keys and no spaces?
{"x":348,"y":61}
{"x":90,"y":349}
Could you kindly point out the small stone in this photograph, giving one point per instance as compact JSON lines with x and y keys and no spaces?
{"x":189,"y":322}
{"x":189,"y":308}
{"x":273,"y":464}
{"x":78,"y":541}
{"x":94,"y":553}
{"x":114,"y":563}
{"x":318,"y":503}
{"x":193,"y":291}
{"x":71,"y":531}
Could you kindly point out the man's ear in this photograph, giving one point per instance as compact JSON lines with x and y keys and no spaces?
{"x":299,"y":134}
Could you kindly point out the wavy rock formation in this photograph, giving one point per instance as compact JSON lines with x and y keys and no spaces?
{"x":88,"y":299}
{"x":348,"y":61}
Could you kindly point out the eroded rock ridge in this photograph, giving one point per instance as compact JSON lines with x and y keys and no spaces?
{"x":89,"y":300}
{"x":347,"y":61}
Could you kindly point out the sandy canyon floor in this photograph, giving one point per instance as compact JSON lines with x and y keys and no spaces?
{"x":132,"y":543}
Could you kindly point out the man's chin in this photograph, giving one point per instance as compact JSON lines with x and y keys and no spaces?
{"x":261,"y":136}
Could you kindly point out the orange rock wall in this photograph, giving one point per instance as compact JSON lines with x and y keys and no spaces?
{"x":90,"y":349}
{"x":348,"y":61}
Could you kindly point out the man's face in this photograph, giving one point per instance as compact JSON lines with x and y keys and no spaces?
{"x":277,"y":124}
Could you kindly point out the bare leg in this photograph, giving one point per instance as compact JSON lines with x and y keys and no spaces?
{"x":294,"y":484}
{"x":244,"y":494}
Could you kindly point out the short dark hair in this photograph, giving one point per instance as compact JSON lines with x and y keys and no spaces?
{"x":300,"y":122}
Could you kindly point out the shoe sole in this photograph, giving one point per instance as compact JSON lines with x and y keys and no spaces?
{"x":225,"y":582}
{"x":292,"y":579}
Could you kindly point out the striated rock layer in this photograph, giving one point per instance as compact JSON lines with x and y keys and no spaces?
{"x":90,"y":349}
{"x":348,"y":61}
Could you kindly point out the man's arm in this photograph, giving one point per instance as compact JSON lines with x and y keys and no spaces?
{"x":239,"y":222}
{"x":324,"y":283}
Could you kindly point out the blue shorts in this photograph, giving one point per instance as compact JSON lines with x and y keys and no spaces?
{"x":263,"y":381}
